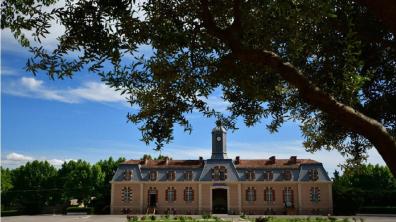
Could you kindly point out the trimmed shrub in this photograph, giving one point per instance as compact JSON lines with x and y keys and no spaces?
{"x":88,"y":210}
{"x":8,"y":213}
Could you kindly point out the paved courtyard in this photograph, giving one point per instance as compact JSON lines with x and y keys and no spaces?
{"x":122,"y":218}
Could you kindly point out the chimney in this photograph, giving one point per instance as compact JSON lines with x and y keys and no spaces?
{"x":293,"y":160}
{"x":200,"y":158}
{"x":237,"y":159}
{"x":166,"y":160}
{"x":272,"y":159}
{"x":145,"y":160}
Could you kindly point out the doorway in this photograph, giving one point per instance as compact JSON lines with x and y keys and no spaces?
{"x":219,"y":201}
{"x":152,"y":199}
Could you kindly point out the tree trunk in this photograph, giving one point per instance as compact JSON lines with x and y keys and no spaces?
{"x":348,"y":117}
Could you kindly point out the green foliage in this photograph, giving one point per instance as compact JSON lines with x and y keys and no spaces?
{"x":9,"y":213}
{"x":206,"y":216}
{"x":38,"y":185}
{"x":337,"y":45}
{"x":364,"y":186}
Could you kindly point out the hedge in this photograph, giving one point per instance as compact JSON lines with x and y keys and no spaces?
{"x":377,"y":210}
{"x":88,"y":210}
{"x":7,"y":213}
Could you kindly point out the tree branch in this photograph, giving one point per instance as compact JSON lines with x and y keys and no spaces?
{"x":347,"y":116}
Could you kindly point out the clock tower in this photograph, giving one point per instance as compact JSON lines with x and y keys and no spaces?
{"x":219,"y":143}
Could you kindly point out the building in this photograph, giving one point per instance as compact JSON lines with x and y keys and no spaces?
{"x":221,"y":185}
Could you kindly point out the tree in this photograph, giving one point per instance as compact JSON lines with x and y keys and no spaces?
{"x":34,"y":186}
{"x":6,"y":185}
{"x":80,"y":180}
{"x":365,"y":186}
{"x":103,"y":195}
{"x":329,"y":65}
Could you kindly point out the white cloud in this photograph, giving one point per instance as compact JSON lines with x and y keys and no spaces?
{"x":18,"y":157}
{"x":14,"y":160}
{"x":89,"y":91}
{"x":6,"y":71}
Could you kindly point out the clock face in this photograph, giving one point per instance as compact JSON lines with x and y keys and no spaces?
{"x":218,"y":138}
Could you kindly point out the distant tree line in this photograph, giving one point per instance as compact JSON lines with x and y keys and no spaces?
{"x":364,"y":189}
{"x":39,"y":187}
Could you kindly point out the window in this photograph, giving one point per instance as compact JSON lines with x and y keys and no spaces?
{"x":170,"y":194}
{"x":250,"y":175}
{"x":287,"y":175}
{"x":288,"y":197}
{"x":219,"y":173}
{"x":315,"y":194}
{"x":127,"y":174}
{"x":126,"y":194}
{"x":188,"y":194}
{"x":269,"y":195}
{"x":171,"y":175}
{"x":188,"y":175}
{"x":153,"y":175}
{"x":313,"y":174}
{"x":268,"y":175}
{"x":251,"y":194}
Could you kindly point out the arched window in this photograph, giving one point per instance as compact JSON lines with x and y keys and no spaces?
{"x":188,"y":194}
{"x":126,"y":194}
{"x":269,"y":195}
{"x":288,"y":197}
{"x":251,"y":194}
{"x":170,"y":194}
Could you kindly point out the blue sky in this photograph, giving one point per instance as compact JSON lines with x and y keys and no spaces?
{"x":82,"y":118}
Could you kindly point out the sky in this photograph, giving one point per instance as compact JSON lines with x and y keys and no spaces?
{"x":81,"y":118}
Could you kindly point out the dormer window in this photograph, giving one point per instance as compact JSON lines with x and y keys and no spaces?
{"x":313,"y":174}
{"x":171,"y":175}
{"x":250,"y":175}
{"x":127,"y":175}
{"x":153,"y":175}
{"x":287,"y":175}
{"x":268,"y":175}
{"x":219,"y":173}
{"x":188,"y":175}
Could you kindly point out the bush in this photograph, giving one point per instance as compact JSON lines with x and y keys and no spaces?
{"x":378,"y":210}
{"x":8,"y":213}
{"x":87,"y":210}
{"x":206,"y":216}
{"x":132,"y":218}
{"x":152,"y":217}
{"x":143,"y":218}
{"x":262,"y":219}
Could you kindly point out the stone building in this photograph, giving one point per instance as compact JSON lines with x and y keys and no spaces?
{"x":220,"y":185}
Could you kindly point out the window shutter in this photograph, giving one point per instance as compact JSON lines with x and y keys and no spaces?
{"x":192,"y":194}
{"x":292,"y":197}
{"x":265,"y":194}
{"x":174,"y":194}
{"x":166,"y":194}
{"x":273,"y":194}
{"x":185,"y":194}
{"x":284,"y":195}
{"x":247,"y":194}
{"x":254,"y":194}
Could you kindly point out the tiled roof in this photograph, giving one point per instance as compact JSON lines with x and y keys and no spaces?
{"x":170,"y":164}
{"x":257,"y":163}
{"x":279,"y":163}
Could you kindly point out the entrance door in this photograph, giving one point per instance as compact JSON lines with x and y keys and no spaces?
{"x":219,"y":201}
{"x":152,"y":199}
